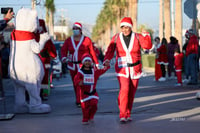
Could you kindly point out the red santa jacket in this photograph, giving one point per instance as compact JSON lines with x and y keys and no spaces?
{"x":73,"y":51}
{"x":88,"y":89}
{"x":178,"y":62}
{"x":126,"y":56}
{"x":162,"y":54}
{"x":192,"y":47}
{"x":48,"y":52}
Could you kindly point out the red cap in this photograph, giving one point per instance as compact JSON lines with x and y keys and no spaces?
{"x":86,"y":57}
{"x":77,"y":24}
{"x":126,"y":21}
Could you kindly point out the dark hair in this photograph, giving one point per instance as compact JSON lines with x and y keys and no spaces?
{"x":177,"y":50}
{"x":157,"y":38}
{"x":164,"y":41}
{"x":173,"y":40}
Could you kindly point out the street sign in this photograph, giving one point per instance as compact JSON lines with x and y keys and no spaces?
{"x":190,"y":8}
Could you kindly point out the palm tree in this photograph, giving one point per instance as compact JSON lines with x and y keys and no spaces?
{"x":133,"y":11}
{"x":167,"y":19}
{"x":161,"y":34}
{"x":178,"y":21}
{"x":50,"y":10}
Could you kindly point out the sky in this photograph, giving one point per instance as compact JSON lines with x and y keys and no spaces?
{"x":87,"y":10}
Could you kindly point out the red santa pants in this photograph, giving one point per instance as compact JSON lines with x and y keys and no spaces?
{"x":126,"y":96}
{"x":179,"y":76}
{"x":158,"y":72}
{"x":76,"y":88}
{"x":89,"y":109}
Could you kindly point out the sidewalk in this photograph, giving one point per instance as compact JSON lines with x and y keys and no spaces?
{"x":158,"y":107}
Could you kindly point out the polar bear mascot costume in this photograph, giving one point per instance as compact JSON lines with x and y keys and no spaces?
{"x":26,"y":69}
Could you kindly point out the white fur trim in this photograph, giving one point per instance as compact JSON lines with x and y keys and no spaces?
{"x":178,"y":70}
{"x":77,"y":25}
{"x":86,"y":58}
{"x":126,"y":24}
{"x":88,"y":98}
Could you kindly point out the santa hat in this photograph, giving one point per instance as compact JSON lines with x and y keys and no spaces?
{"x":126,"y":21}
{"x":42,"y":26}
{"x":188,"y":33}
{"x":77,"y":24}
{"x":86,"y":57}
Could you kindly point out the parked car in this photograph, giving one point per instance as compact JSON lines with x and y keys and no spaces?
{"x":57,"y":64}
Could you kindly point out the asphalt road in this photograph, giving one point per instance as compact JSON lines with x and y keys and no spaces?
{"x":159,"y":107}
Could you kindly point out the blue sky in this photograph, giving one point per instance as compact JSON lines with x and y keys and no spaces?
{"x":87,"y":10}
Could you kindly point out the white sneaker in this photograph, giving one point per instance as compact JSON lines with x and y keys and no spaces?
{"x":123,"y":120}
{"x":185,"y":80}
{"x":162,"y":79}
{"x":177,"y":84}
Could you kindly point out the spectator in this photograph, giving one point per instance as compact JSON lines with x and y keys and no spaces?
{"x":158,"y":73}
{"x":192,"y":57}
{"x":162,"y":58}
{"x":172,"y":45}
{"x":178,"y":63}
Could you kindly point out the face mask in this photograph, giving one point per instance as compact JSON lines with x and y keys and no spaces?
{"x":76,"y":32}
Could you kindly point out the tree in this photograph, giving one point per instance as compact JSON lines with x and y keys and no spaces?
{"x":50,"y":10}
{"x":167,"y":19}
{"x":178,"y":21}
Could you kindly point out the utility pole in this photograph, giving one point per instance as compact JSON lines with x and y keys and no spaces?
{"x":33,"y":4}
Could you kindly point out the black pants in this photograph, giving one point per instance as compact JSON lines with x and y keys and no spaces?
{"x":163,"y":70}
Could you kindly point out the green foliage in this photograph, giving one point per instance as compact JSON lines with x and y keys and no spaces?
{"x":148,"y":60}
{"x":107,"y":16}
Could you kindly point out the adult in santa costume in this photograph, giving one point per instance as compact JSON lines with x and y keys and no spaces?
{"x":158,"y":72}
{"x":26,"y":68}
{"x":128,"y":67}
{"x":72,"y":51}
{"x":86,"y":79}
{"x":47,"y":54}
{"x":178,"y":63}
{"x":162,"y":58}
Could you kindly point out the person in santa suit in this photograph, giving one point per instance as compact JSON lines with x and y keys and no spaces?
{"x":86,"y":79}
{"x":178,"y":63}
{"x":128,"y":67}
{"x":47,"y":54}
{"x":162,"y":58}
{"x":73,"y":49}
{"x":158,"y":72}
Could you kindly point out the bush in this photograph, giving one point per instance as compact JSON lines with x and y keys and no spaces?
{"x":148,"y":60}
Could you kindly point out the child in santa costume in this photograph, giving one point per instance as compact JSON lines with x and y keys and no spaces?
{"x":25,"y":67}
{"x":178,"y":63}
{"x":47,"y":54}
{"x":73,"y":49}
{"x":128,"y":67}
{"x":86,"y":80}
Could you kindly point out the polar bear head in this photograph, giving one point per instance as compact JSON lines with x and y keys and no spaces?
{"x":26,"y":20}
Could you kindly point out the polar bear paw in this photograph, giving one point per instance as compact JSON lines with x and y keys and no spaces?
{"x":44,"y":38}
{"x":40,"y":109}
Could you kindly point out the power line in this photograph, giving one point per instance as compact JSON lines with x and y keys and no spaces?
{"x":82,"y":3}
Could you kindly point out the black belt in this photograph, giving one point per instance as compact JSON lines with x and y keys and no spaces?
{"x":90,"y":93}
{"x":133,"y":64}
{"x":76,"y":62}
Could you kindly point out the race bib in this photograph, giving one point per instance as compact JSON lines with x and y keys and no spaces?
{"x":88,"y":79}
{"x":122,"y":61}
